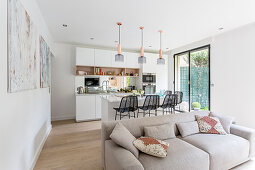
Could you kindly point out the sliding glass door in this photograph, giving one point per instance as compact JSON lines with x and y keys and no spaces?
{"x":192,"y":77}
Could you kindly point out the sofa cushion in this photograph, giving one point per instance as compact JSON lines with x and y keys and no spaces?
{"x":152,"y":146}
{"x":210,"y":125}
{"x":226,"y":151}
{"x":161,"y":132}
{"x":226,"y":121}
{"x":188,"y":128}
{"x":181,"y":156}
{"x":121,"y":136}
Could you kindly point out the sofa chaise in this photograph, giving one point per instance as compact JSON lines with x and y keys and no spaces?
{"x":194,"y":152}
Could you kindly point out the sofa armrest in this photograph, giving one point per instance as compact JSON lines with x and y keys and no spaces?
{"x":246,"y":133}
{"x":118,"y":158}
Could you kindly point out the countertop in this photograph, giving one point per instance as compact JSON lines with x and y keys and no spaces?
{"x":103,"y":94}
{"x":117,"y":98}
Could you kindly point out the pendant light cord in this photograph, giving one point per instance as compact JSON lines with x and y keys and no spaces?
{"x":160,"y":40}
{"x":142,"y":37}
{"x":119,"y":34}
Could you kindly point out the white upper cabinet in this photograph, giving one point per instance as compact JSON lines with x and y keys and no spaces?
{"x":85,"y":56}
{"x":103,"y":58}
{"x":118,"y":64}
{"x":162,"y":75}
{"x":132,"y":60}
{"x":151,"y":62}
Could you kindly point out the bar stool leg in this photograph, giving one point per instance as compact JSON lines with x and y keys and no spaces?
{"x":116,"y":114}
{"x":120,"y":115}
{"x":129,"y":115}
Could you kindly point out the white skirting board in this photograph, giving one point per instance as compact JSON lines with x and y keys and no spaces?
{"x":39,"y":149}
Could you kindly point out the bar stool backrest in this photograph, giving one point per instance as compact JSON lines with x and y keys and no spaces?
{"x":128,"y":103}
{"x":179,"y":96}
{"x":167,"y":101}
{"x":168,"y":92}
{"x":151,"y":102}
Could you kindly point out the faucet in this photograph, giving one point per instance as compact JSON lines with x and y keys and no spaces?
{"x":106,"y":82}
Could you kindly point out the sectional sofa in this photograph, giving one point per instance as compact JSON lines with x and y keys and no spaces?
{"x":194,"y":152}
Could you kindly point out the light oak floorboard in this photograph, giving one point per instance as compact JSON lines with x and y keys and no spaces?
{"x":72,"y":146}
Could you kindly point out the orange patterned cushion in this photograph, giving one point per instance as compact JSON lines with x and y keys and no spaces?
{"x":210,"y":125}
{"x":152,"y":146}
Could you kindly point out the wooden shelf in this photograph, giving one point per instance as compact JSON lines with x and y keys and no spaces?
{"x":91,"y":71}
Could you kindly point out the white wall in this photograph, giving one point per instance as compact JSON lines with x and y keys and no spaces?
{"x":63,"y":82}
{"x":25,"y":116}
{"x":232,"y":72}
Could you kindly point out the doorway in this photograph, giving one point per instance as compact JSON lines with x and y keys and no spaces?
{"x":192,"y":77}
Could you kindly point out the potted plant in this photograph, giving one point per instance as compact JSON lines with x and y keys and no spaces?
{"x":196,"y":106}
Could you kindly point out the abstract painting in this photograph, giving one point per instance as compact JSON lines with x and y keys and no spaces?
{"x":22,"y":49}
{"x":45,"y":55}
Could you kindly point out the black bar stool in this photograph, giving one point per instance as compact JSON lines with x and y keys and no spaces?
{"x":128,"y":104}
{"x":168,"y":92}
{"x":166,"y":105}
{"x":151,"y":102}
{"x":179,"y":96}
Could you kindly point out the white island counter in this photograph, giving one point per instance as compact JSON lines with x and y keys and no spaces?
{"x":113,"y":101}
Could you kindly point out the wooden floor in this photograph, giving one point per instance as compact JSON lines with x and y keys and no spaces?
{"x":72,"y":146}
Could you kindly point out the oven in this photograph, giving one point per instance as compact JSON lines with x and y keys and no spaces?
{"x":149,"y":88}
{"x":149,"y":78}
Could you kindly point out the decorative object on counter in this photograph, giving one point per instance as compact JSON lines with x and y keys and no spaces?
{"x":136,"y":74}
{"x":160,"y":60}
{"x":119,"y":57}
{"x":131,"y":73}
{"x":142,"y":59}
{"x":80,"y":90}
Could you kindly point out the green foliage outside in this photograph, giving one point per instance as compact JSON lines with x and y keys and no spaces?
{"x":196,"y":105}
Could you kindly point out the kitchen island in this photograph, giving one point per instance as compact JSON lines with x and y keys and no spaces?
{"x":113,"y":101}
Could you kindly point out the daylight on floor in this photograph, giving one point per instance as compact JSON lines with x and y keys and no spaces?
{"x":127,"y":85}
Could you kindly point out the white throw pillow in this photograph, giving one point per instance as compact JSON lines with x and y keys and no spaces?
{"x":188,"y":128}
{"x":226,"y":121}
{"x":121,"y":136}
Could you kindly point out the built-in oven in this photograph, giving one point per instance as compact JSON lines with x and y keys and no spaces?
{"x":149,"y":78}
{"x":149,"y":88}
{"x":91,"y":82}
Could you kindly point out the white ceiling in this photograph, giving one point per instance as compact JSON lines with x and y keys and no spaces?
{"x":183,"y":21}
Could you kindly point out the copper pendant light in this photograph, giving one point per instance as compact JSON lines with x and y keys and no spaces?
{"x":142,"y":59}
{"x":119,"y":57}
{"x":160,"y":60}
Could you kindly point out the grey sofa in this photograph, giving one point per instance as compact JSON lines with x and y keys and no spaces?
{"x":194,"y":152}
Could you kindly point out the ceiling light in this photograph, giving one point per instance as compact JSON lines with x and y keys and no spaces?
{"x":142,"y":59}
{"x":119,"y":57}
{"x":92,"y":38}
{"x":64,"y":25}
{"x":150,"y":46}
{"x":160,"y":60}
{"x":116,"y":41}
{"x":221,"y":28}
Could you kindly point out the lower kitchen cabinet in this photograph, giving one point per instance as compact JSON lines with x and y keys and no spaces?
{"x":98,"y":107}
{"x":88,"y":107}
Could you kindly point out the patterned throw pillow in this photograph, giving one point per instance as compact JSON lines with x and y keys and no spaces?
{"x":210,"y":125}
{"x":152,"y":146}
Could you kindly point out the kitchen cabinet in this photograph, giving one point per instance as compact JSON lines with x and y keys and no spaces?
{"x":85,"y":107}
{"x":88,"y":107}
{"x":98,"y":107}
{"x":132,"y":60}
{"x":151,"y":63}
{"x":85,"y":56}
{"x":162,"y":76}
{"x":103,"y":58}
